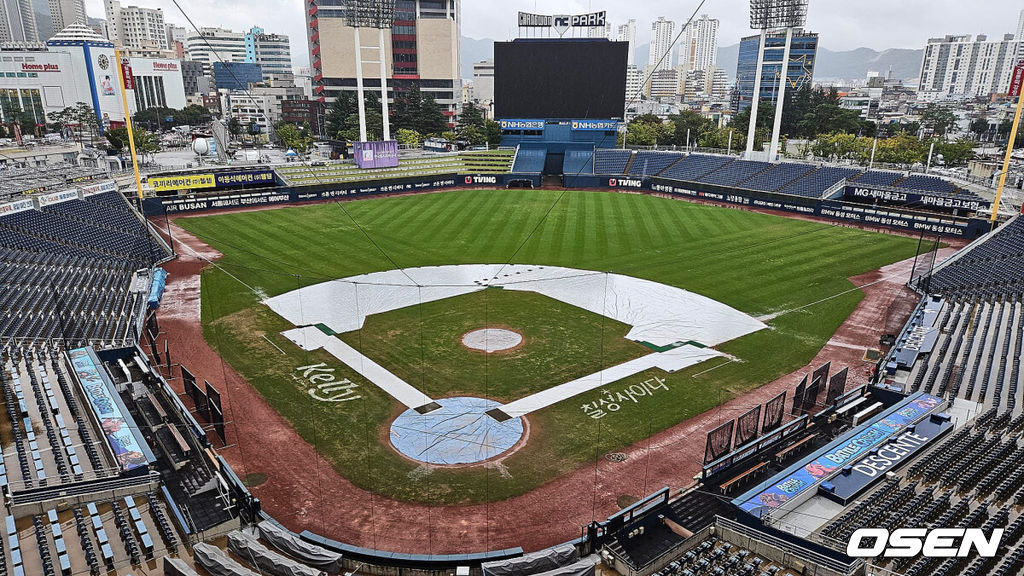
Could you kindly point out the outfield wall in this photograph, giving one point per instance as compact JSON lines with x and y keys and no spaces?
{"x":836,"y":210}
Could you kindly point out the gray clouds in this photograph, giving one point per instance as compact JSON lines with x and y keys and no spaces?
{"x":877,"y":24}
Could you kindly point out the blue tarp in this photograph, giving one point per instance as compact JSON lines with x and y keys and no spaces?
{"x":156,"y":292}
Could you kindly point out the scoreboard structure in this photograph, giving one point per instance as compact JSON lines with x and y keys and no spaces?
{"x":560,"y":94}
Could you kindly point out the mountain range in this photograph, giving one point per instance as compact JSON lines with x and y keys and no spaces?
{"x":831,"y":65}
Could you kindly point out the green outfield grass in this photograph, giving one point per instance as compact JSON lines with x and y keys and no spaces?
{"x":762,"y":265}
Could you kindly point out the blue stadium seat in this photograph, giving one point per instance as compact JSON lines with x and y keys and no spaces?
{"x":695,"y":166}
{"x":734,"y":174}
{"x":878,"y":178}
{"x":652,"y":163}
{"x":611,"y":162}
{"x":815,"y":184}
{"x":578,"y":162}
{"x":777,"y":177}
{"x":530,"y":161}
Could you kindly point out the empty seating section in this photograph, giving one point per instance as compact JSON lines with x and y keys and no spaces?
{"x":68,"y":270}
{"x":35,"y":404}
{"x":732,"y":175}
{"x":54,"y":178}
{"x":993,"y":266}
{"x":878,"y":178}
{"x":777,"y":177}
{"x":818,"y":182}
{"x":475,"y":162}
{"x":611,"y":162}
{"x":652,"y":163}
{"x":530,"y":161}
{"x":715,"y":557}
{"x":695,"y":166}
{"x":927,"y":184}
{"x":578,"y":162}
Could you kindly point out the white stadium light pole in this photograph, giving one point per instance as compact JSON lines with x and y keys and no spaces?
{"x":384,"y":112}
{"x":756,"y":98}
{"x":359,"y":85}
{"x":780,"y":97}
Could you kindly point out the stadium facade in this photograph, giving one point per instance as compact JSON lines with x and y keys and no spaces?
{"x":424,"y":50}
{"x":802,"y":58}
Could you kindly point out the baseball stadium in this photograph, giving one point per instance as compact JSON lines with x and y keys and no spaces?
{"x":563,"y":356}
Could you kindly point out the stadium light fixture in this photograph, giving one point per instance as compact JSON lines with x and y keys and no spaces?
{"x":776,"y":14}
{"x":379,"y":14}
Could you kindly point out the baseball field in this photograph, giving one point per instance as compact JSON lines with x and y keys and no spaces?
{"x":792,"y":275}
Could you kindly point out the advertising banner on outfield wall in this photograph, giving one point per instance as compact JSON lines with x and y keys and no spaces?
{"x":908,"y":198}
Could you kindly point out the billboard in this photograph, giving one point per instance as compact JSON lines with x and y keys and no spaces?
{"x":578,"y":79}
{"x":243,"y":178}
{"x":562,"y":23}
{"x":376,"y":154}
{"x":1018,"y":80}
{"x":118,"y":427}
{"x":182,"y":182}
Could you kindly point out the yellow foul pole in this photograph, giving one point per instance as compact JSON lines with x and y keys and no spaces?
{"x":1009,"y":145}
{"x":128,"y":124}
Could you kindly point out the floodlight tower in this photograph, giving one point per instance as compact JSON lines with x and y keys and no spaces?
{"x":768,"y":15}
{"x":379,"y":15}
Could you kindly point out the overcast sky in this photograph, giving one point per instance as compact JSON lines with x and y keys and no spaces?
{"x":877,"y":24}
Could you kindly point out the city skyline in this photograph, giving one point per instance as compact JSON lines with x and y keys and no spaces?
{"x":876,"y":24}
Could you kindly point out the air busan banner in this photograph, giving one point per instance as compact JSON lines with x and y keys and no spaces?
{"x":797,"y":481}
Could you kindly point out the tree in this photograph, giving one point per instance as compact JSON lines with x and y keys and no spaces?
{"x":416,"y":111}
{"x":765,"y":119}
{"x":492,"y":130}
{"x":979,"y":127}
{"x":408,"y":137}
{"x":471,"y":116}
{"x":293,"y":137}
{"x":901,"y":149}
{"x":337,"y":118}
{"x":80,"y":118}
{"x":939,"y":120}
{"x":956,"y":153}
{"x":235,"y":127}
{"x":145,"y":141}
{"x":689,"y":123}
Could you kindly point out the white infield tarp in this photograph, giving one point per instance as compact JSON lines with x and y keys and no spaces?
{"x":659,"y":314}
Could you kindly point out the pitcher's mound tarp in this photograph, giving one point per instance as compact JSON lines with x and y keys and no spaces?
{"x":309,"y":554}
{"x":248,"y":547}
{"x":532,"y":563}
{"x":216,"y":563}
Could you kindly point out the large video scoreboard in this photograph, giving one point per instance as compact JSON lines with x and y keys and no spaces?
{"x":573,"y":78}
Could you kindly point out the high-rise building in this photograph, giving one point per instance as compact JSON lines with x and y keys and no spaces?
{"x":961,"y":66}
{"x":64,"y":13}
{"x":627,"y":33}
{"x":483,"y":81}
{"x":699,"y":44}
{"x":600,"y":31}
{"x":135,"y":27}
{"x":802,"y":56}
{"x":176,"y":36}
{"x":662,"y":36}
{"x":1020,"y":37}
{"x":422,"y":50}
{"x":210,"y":45}
{"x":665,"y":85}
{"x":18,"y":21}
{"x":634,"y":86}
{"x":272,"y":52}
